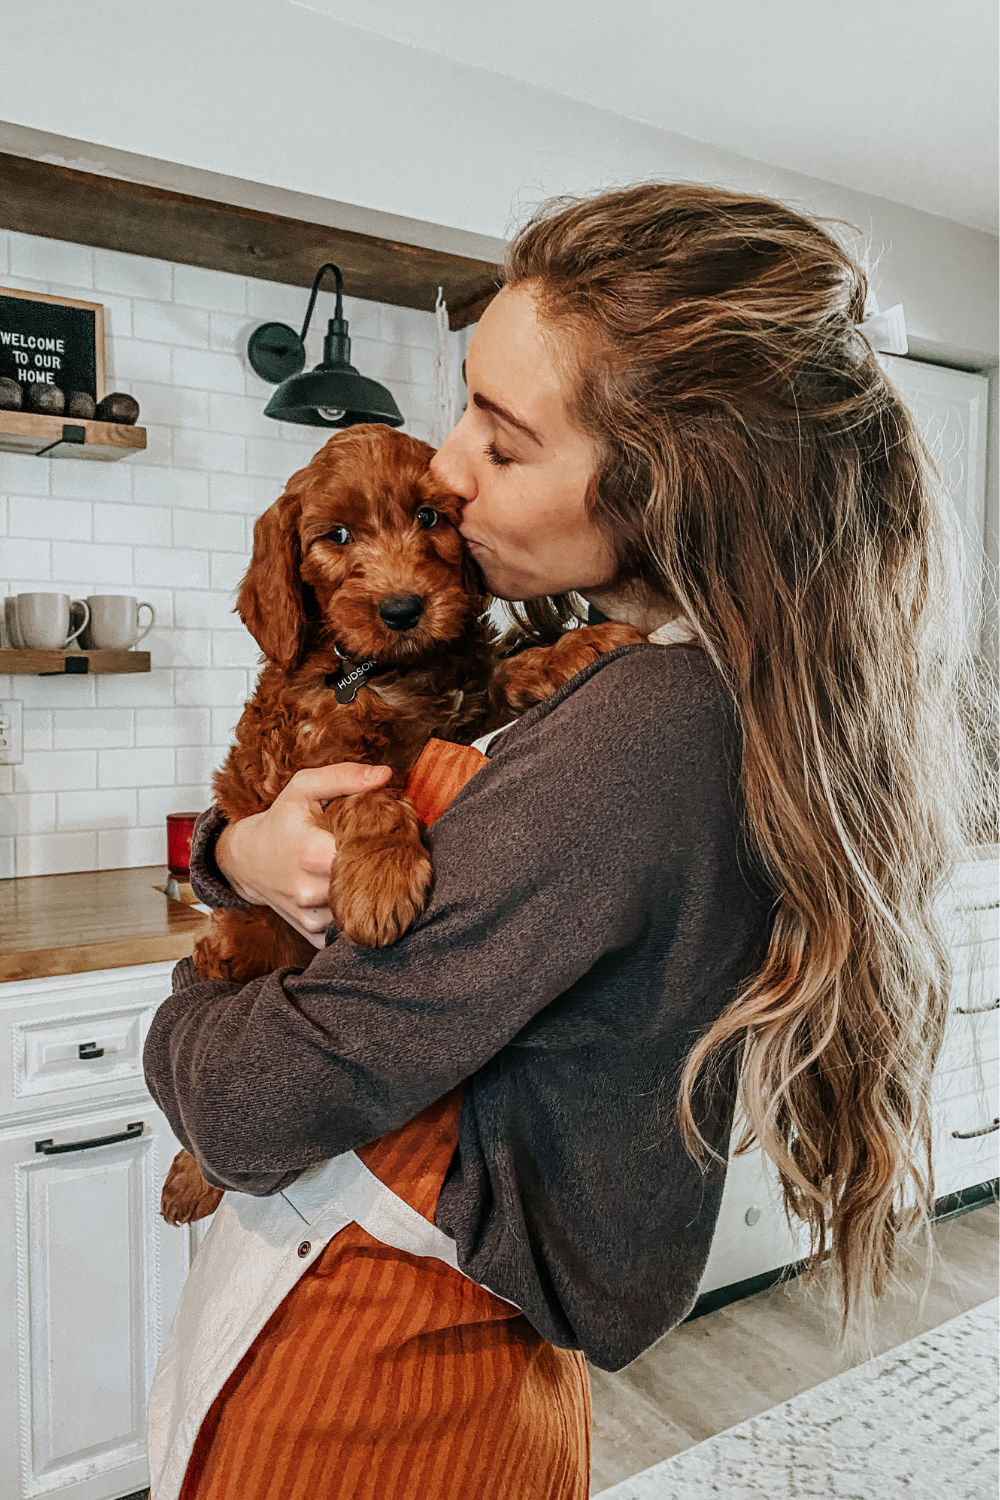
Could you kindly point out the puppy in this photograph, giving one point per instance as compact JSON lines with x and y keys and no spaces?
{"x":370,"y":617}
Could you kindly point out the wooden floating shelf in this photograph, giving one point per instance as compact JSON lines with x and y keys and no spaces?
{"x":61,"y":203}
{"x":35,"y":662}
{"x":30,"y":432}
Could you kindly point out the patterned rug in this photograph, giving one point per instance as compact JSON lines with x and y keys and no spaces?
{"x":917,"y":1423}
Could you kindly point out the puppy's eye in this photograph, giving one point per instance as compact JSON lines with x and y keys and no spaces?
{"x":427,"y":517}
{"x":339,"y":536}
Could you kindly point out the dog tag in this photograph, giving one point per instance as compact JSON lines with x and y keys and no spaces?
{"x":345,"y":684}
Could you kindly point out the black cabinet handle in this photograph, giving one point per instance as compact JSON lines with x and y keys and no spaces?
{"x":128,"y":1134}
{"x":976,"y":1010}
{"x":967,"y":1135}
{"x":89,"y":1050}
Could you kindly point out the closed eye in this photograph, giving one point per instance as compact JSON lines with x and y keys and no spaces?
{"x":498,"y":459}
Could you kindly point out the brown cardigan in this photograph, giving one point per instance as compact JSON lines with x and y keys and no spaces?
{"x":595,"y":906}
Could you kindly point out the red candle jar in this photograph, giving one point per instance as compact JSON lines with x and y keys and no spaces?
{"x":180,"y":827}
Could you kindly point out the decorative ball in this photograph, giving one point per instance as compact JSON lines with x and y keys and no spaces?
{"x":48,"y":399}
{"x":80,"y":404}
{"x":118,"y":407}
{"x":11,"y":394}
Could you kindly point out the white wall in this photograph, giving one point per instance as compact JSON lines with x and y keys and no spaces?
{"x":286,"y":101}
{"x":107,"y":757}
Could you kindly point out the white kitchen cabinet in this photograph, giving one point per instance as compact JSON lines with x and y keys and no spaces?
{"x":89,"y":1272}
{"x":752,"y":1236}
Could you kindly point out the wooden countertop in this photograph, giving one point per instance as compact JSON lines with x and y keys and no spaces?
{"x":100,"y":919}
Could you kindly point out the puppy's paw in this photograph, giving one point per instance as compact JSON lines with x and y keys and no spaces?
{"x":186,"y":1196}
{"x":376,"y":895}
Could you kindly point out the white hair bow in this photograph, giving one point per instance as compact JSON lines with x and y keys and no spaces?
{"x":885,"y":331}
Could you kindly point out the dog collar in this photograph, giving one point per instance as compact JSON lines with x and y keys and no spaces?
{"x":351,"y":677}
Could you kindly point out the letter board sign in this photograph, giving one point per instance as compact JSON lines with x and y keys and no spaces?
{"x":52,"y":341}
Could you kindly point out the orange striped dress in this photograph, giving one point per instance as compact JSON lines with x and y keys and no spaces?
{"x":390,"y":1376}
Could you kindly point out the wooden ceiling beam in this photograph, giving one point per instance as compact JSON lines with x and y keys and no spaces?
{"x":110,"y":214}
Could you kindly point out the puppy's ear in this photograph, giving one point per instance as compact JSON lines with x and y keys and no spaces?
{"x":270,"y":601}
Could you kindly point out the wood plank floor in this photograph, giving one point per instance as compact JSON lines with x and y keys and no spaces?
{"x":732,"y":1364}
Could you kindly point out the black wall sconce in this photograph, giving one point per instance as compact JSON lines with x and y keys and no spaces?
{"x":331,"y":395}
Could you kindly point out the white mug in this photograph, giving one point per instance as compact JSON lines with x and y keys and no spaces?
{"x":43,"y":620}
{"x":114,"y":622}
{"x":10,"y":620}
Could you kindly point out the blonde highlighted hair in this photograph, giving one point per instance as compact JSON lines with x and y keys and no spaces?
{"x":760,"y":472}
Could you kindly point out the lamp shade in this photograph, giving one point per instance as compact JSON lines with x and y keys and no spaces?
{"x":331,"y":395}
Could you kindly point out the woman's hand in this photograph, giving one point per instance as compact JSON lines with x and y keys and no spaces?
{"x":282,"y":857}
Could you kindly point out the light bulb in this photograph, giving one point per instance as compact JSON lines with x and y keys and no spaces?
{"x":331,"y":413}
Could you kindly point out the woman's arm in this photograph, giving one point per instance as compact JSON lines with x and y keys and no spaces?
{"x":578,"y":843}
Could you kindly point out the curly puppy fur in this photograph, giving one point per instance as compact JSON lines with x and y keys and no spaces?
{"x":363,"y":525}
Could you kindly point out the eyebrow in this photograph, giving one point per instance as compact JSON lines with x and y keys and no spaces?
{"x":485,"y":404}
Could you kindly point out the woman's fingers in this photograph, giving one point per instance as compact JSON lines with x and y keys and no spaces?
{"x":282,"y":857}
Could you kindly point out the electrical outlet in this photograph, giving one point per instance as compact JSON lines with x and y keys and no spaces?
{"x":11,"y":736}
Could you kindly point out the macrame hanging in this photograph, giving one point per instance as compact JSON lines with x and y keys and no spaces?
{"x":443,"y":418}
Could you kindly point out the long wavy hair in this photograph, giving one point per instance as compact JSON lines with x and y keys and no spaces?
{"x":759,"y":471}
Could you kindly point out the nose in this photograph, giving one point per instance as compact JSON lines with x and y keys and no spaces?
{"x":450,"y":465}
{"x":401,"y":612}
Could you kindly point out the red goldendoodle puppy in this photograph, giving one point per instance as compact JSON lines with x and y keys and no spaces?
{"x":370,"y":617}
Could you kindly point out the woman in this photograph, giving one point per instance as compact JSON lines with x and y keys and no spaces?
{"x":719,"y":848}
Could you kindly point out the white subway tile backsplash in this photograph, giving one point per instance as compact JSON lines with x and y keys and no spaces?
{"x":173,"y":726}
{"x":24,"y":559}
{"x":203,"y":609}
{"x":36,"y":729}
{"x":73,"y":480}
{"x":215,"y":290}
{"x":235,"y":648}
{"x":65,"y":518}
{"x":179,"y":567}
{"x":231,"y":332}
{"x":57,"y":771}
{"x":118,"y":848}
{"x":137,"y":767}
{"x":145,"y":525}
{"x":278,"y":460}
{"x":172,"y":525}
{"x":228,"y":569}
{"x":132,"y":275}
{"x":166,"y":323}
{"x":208,"y":370}
{"x":92,"y":728}
{"x":136,"y":359}
{"x":55,"y":853}
{"x":155,"y":803}
{"x":150,"y":690}
{"x":215,"y":686}
{"x":24,"y":475}
{"x":209,"y":450}
{"x":181,"y":648}
{"x":158,"y":486}
{"x":197,"y":763}
{"x":27,"y":812}
{"x":84,"y":562}
{"x":52,"y":260}
{"x":212,"y":530}
{"x":250,"y":494}
{"x":170,"y":405}
{"x":115,"y":807}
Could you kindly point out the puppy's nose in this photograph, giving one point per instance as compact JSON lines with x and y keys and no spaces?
{"x":401,"y":612}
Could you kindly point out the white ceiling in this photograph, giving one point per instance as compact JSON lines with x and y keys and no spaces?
{"x":892,"y":97}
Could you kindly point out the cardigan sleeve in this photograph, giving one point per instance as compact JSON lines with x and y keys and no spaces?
{"x":593,"y":908}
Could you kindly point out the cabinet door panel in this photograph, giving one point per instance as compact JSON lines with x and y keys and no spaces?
{"x":93,"y":1274}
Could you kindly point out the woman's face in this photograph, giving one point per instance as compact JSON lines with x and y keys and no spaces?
{"x":520,"y":463}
